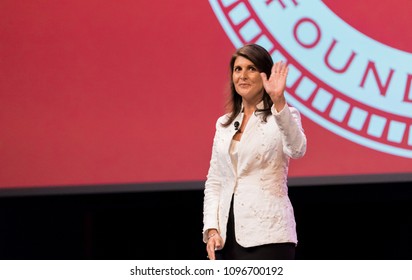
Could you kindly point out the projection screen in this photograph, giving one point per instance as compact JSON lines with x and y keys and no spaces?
{"x":124,"y":95}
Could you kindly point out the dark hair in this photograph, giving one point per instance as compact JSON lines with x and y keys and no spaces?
{"x":263,"y":62}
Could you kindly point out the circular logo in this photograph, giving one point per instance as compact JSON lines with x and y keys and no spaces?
{"x":343,"y":80}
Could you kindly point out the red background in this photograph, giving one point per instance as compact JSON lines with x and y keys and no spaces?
{"x":107,"y":92}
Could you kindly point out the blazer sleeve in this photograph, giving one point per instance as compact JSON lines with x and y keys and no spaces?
{"x":290,"y":126}
{"x":212,"y":189}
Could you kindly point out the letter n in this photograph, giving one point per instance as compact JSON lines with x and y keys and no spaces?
{"x":382,"y":87}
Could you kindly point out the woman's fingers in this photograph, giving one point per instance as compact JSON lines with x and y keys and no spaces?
{"x":214,"y":243}
{"x":210,"y":248}
{"x":280,"y":67}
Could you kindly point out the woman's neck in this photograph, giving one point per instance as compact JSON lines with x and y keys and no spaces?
{"x":249,"y":108}
{"x":249,"y":105}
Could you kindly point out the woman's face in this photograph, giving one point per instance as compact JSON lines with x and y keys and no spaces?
{"x":247,"y":80}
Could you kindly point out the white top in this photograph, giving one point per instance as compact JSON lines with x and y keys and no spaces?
{"x":233,"y":151}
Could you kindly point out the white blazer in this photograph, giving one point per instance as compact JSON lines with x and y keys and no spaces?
{"x":262,"y":209}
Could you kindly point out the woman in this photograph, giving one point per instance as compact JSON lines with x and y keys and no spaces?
{"x":247,"y":211}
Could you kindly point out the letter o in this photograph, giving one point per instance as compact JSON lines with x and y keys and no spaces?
{"x":298,"y":24}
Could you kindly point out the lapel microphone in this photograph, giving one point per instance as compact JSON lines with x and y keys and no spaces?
{"x":236,"y":124}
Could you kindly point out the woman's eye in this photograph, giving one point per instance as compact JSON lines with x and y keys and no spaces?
{"x":252,"y":69}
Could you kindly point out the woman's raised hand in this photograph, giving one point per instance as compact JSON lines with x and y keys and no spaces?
{"x":275,"y":85}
